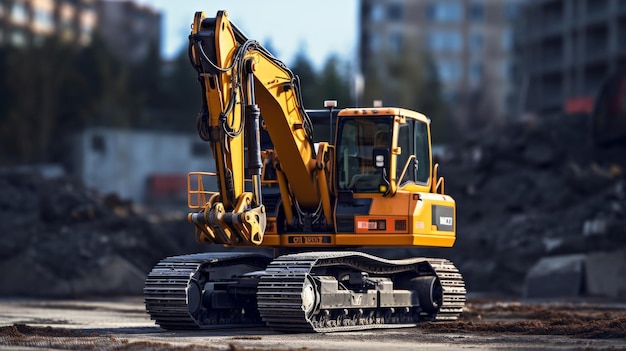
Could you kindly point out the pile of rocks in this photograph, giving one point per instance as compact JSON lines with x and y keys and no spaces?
{"x":58,"y":238}
{"x":531,"y":190}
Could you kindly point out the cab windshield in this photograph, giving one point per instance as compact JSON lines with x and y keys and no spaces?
{"x":357,"y":139}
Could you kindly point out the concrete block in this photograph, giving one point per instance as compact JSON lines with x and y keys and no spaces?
{"x":557,"y":276}
{"x":606,"y":274}
{"x":114,"y":276}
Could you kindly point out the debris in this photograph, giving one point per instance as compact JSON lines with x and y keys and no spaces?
{"x":605,"y":272}
{"x":538,"y":189}
{"x":61,"y":239}
{"x":559,"y":276}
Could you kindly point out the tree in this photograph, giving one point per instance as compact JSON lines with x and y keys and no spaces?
{"x":36,"y":76}
{"x":52,"y":90}
{"x":331,"y":83}
{"x":334,"y":82}
{"x":303,"y":68}
{"x":181,"y":94}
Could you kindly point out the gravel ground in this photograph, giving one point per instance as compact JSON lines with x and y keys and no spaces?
{"x":122,"y":324}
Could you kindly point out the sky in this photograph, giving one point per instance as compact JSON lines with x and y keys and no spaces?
{"x":320,"y":28}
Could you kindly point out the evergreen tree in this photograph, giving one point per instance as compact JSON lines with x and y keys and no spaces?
{"x":182,"y":96}
{"x":303,"y":68}
{"x":334,"y":83}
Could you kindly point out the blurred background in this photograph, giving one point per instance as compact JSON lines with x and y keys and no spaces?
{"x":97,"y":123}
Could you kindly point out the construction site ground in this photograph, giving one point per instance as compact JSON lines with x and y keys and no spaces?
{"x":487,"y":323}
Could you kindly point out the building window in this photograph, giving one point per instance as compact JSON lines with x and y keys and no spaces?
{"x":19,"y":13}
{"x":477,"y":11}
{"x":450,"y":41}
{"x":394,"y":12}
{"x":98,"y":144}
{"x":475,"y":73}
{"x":476,"y":42}
{"x":449,"y":71}
{"x":445,"y":11}
{"x":377,"y":12}
{"x":43,"y":18}
{"x":18,"y":38}
{"x":511,"y":11}
{"x":395,"y":42}
{"x":85,"y":34}
{"x":507,"y":40}
{"x":507,"y":70}
{"x":375,"y":43}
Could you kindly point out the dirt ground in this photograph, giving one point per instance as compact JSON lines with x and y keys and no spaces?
{"x":122,"y":324}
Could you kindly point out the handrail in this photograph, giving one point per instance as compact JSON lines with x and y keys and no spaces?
{"x":437,"y":181}
{"x":198,"y":194}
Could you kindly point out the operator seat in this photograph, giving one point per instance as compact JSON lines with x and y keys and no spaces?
{"x":370,"y":179}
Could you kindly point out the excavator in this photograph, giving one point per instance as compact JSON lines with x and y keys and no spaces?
{"x":315,"y":201}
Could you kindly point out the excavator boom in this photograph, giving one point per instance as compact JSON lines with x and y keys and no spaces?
{"x":237,"y":76}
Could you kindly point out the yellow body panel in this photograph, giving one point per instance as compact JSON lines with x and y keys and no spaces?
{"x":413,"y":208}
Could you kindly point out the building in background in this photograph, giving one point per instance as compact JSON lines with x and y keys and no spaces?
{"x":566,"y":50}
{"x":469,"y":41}
{"x":29,"y":22}
{"x":145,"y":167}
{"x":131,"y":31}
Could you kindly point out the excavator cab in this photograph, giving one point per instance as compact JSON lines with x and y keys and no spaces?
{"x":356,"y":142}
{"x":382,"y":150}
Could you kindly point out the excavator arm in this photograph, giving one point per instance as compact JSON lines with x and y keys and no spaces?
{"x":241,"y":80}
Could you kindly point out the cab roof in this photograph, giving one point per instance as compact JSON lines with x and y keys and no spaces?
{"x":383,"y":111}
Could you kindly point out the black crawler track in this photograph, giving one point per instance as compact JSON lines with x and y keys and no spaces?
{"x":280,"y":301}
{"x":171,"y":286}
{"x":170,"y":283}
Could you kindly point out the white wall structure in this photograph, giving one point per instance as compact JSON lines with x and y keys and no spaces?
{"x":123,"y":161}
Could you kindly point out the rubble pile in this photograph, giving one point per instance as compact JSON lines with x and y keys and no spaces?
{"x":60,"y":239}
{"x":530,"y":190}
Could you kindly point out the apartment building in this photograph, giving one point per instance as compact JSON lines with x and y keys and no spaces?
{"x":130,"y":30}
{"x":566,"y":50}
{"x":469,"y":41}
{"x":29,"y":22}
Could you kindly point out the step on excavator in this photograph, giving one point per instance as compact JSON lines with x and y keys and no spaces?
{"x":315,"y":200}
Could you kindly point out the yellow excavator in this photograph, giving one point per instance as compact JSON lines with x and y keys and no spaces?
{"x":370,"y":184}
